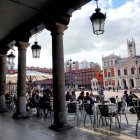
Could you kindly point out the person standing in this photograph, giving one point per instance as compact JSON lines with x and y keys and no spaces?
{"x":101,"y":95}
{"x":126,"y":97}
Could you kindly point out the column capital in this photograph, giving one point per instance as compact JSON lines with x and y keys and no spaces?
{"x":22,"y":44}
{"x":58,"y":29}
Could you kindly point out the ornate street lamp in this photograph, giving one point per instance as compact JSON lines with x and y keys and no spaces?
{"x":98,"y":21}
{"x":11,"y":58}
{"x":70,"y":64}
{"x":36,"y":48}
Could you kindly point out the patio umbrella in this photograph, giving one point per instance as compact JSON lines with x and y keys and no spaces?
{"x":37,"y":76}
{"x":30,"y":76}
{"x":11,"y":78}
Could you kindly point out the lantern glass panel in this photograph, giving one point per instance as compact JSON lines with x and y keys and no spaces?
{"x":38,"y":53}
{"x":98,"y":26}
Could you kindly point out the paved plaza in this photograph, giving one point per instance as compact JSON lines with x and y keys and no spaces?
{"x":37,"y":128}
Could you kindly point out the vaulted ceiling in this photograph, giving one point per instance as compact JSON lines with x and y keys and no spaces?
{"x":17,"y":16}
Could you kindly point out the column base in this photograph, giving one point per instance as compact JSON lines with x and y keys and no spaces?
{"x":17,"y":115}
{"x":60,"y":127}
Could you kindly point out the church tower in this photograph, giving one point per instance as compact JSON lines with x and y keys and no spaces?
{"x":131,"y":48}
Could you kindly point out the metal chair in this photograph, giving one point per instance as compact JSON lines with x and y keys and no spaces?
{"x":113,"y":100}
{"x":106,"y":113}
{"x":89,"y":111}
{"x":137,"y":109}
{"x":72,"y":108}
{"x":121,"y":110}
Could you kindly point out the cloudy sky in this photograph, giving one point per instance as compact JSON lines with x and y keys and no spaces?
{"x":122,"y":23}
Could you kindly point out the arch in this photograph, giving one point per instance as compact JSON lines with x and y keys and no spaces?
{"x":132,"y":70}
{"x":131,"y":83}
{"x":124,"y":85}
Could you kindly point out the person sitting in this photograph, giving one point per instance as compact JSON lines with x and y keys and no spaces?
{"x":133,"y":99}
{"x":126,"y":97}
{"x":88,"y":98}
{"x":44,"y":102}
{"x":68,"y":96}
{"x":81,"y":96}
{"x":33,"y":100}
{"x":73,"y":96}
{"x":93,"y":97}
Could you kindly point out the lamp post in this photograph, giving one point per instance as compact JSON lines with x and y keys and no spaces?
{"x":98,"y":21}
{"x":75,"y":82}
{"x":70,"y":65}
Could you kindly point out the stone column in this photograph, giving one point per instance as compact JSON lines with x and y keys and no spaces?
{"x":3,"y":57}
{"x":60,"y":117}
{"x":21,"y":83}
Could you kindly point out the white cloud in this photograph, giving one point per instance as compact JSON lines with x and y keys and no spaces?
{"x":80,"y":43}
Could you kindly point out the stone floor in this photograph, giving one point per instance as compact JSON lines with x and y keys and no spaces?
{"x":37,"y":129}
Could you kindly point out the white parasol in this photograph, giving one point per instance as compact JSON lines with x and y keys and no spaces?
{"x":30,"y":76}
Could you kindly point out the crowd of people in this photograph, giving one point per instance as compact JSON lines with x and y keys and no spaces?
{"x":35,"y":100}
{"x":130,"y":98}
{"x":86,"y":96}
{"x":45,"y":101}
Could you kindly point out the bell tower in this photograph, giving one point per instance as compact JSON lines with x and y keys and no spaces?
{"x":131,"y":48}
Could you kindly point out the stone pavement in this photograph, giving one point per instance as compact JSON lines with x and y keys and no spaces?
{"x":37,"y":129}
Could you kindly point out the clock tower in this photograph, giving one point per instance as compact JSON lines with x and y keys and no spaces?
{"x":131,"y":48}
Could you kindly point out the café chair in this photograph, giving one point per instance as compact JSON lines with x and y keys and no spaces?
{"x":106,"y":113}
{"x":122,"y":110}
{"x":72,"y":109}
{"x":89,"y":112}
{"x":137,"y":109}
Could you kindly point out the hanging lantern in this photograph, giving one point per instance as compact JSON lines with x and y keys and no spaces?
{"x":98,"y":21}
{"x":36,"y":50}
{"x":11,"y":58}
